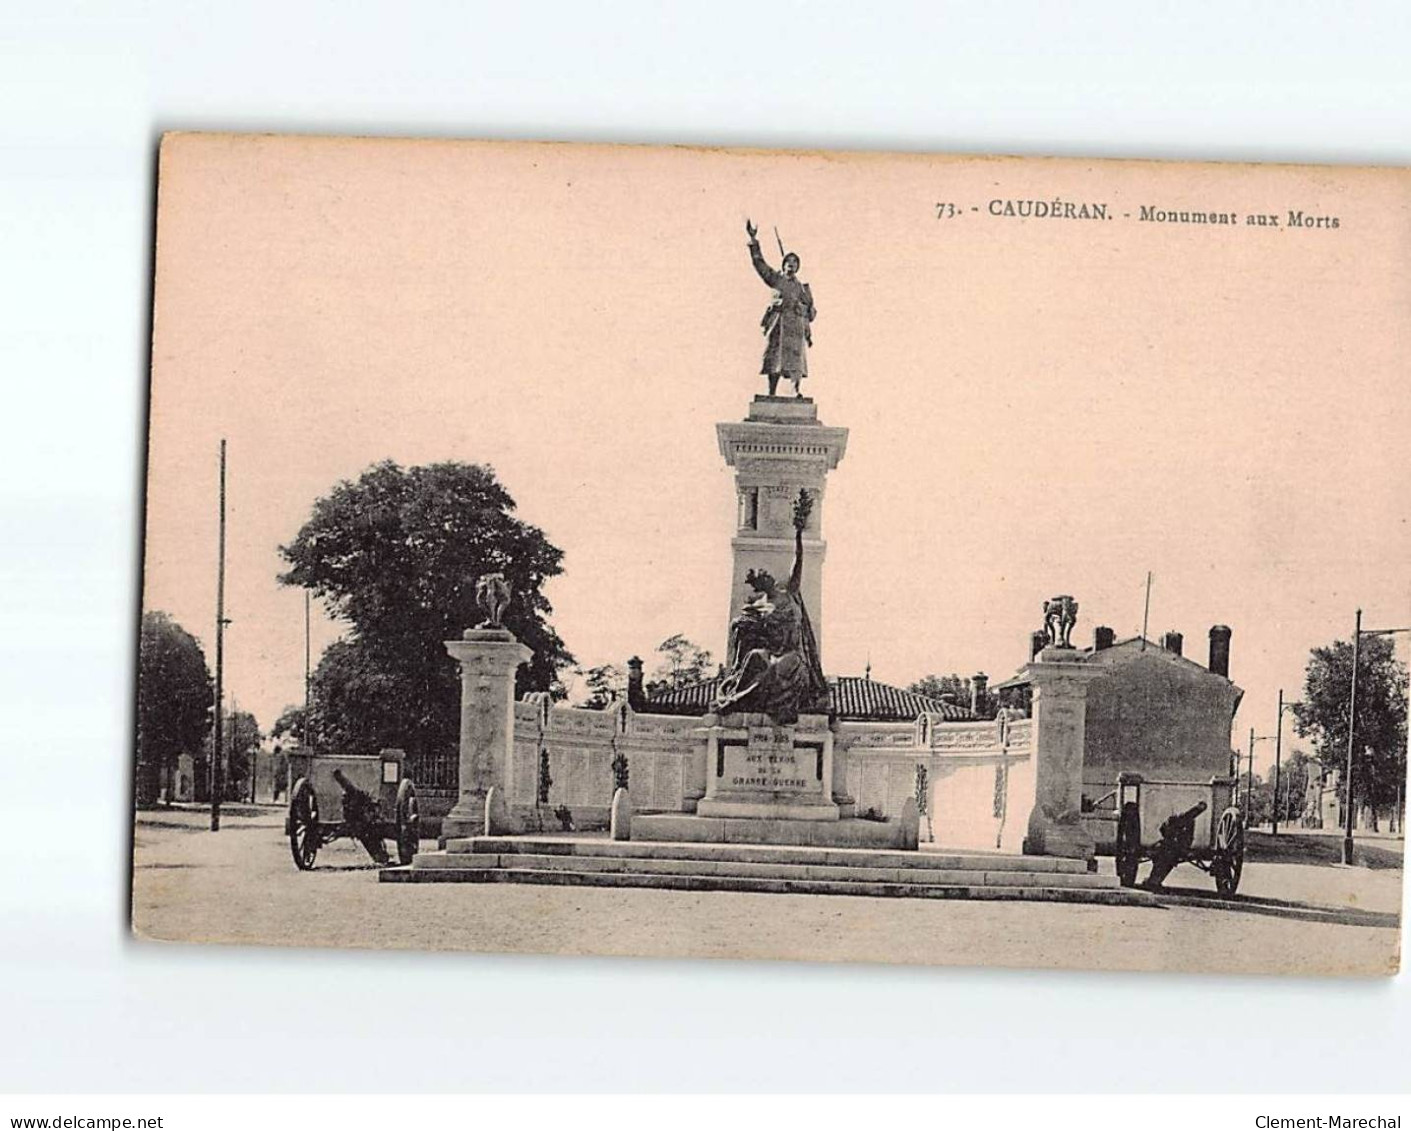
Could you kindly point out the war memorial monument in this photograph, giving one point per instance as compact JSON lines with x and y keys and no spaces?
{"x":767,"y":787}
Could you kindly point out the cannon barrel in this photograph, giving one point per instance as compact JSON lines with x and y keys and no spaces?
{"x":1182,"y":825}
{"x":348,"y":787}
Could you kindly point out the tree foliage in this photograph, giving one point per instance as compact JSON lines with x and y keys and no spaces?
{"x":240,"y":739}
{"x":603,"y":684}
{"x":288,"y":729}
{"x":1379,"y":754}
{"x":681,"y":664}
{"x":174,"y":695}
{"x":950,"y":688}
{"x":396,"y":555}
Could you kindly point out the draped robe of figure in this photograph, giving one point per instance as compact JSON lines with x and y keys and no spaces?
{"x":785,"y":322}
{"x":773,"y":666}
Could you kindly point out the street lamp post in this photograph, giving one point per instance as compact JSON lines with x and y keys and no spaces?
{"x":1278,"y":751}
{"x":1249,"y":782}
{"x":1357,"y":633}
{"x":1351,"y":732}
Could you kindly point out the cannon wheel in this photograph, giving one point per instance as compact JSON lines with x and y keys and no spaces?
{"x":305,"y":836}
{"x":1228,"y":861}
{"x":408,"y":822}
{"x":1129,"y":844}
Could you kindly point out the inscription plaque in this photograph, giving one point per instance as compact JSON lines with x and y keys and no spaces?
{"x":770,"y":763}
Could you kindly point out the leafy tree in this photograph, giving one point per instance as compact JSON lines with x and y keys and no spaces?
{"x":1258,"y":800}
{"x":682,"y":664}
{"x":396,"y":555}
{"x":952,"y":688}
{"x":288,"y":729}
{"x":1296,"y":772}
{"x":1379,"y":756}
{"x":174,"y":696}
{"x":604,"y":683}
{"x":240,"y":737}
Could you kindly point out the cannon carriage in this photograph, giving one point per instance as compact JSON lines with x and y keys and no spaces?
{"x":1175,"y":822}
{"x":364,"y":796}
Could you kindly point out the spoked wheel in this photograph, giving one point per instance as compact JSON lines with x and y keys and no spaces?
{"x":304,"y":833}
{"x":1228,"y":862}
{"x":408,"y":822}
{"x":1129,"y":844}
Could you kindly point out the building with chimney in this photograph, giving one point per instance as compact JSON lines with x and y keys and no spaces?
{"x":1153,"y":711}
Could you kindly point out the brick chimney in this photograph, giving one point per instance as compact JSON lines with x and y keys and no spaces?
{"x":1103,"y":637}
{"x":1220,"y":650}
{"x":1173,"y":642}
{"x":979,"y":694}
{"x":636,"y":696}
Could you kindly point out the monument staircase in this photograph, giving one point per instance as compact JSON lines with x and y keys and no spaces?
{"x":601,"y":862}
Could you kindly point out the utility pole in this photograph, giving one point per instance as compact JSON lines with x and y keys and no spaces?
{"x":1278,"y":750}
{"x":217,"y":740}
{"x":305,"y":737}
{"x":1357,"y":634}
{"x":1347,"y":852}
{"x":1146,"y":611}
{"x":1249,"y":781}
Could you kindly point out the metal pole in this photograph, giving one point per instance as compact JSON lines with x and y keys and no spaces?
{"x":1278,"y":750}
{"x":305,"y":738}
{"x":217,"y":742}
{"x":1351,"y":739}
{"x":1249,"y":781}
{"x":1146,"y":610}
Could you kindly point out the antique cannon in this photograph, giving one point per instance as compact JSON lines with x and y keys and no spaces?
{"x":366,"y":797}
{"x":1193,"y":835}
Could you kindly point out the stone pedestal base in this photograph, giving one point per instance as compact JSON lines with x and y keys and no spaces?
{"x":757,"y":770}
{"x":774,"y":809}
{"x":1050,"y":836}
{"x":466,"y":818}
{"x":684,"y":828}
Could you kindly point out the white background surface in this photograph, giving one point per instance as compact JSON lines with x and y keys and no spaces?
{"x":84,"y":92}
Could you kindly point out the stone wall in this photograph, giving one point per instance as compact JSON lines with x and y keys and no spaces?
{"x":980,"y":775}
{"x":665,"y":760}
{"x":980,"y":783}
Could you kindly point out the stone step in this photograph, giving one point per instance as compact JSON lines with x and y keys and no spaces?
{"x":877,"y":889}
{"x":765,"y":854}
{"x":851,"y":873}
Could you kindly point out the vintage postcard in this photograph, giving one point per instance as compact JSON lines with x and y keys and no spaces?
{"x":609,"y":550}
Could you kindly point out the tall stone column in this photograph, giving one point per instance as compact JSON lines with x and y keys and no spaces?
{"x":780,"y":448}
{"x":488,"y":658}
{"x":1059,"y":682}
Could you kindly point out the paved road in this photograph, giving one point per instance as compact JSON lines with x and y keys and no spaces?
{"x":240,"y":886}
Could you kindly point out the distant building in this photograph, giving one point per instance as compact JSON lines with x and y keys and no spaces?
{"x":1155,"y":712}
{"x":183,"y":780}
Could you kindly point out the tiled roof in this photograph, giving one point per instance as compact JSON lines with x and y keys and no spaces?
{"x":850,"y":697}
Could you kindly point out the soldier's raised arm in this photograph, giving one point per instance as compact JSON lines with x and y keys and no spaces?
{"x":765,"y":272}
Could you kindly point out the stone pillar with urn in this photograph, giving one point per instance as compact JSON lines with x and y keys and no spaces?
{"x":1059,"y":681}
{"x":489,"y":655}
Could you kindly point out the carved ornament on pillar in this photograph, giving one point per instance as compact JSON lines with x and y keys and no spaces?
{"x":1060,"y":617}
{"x":492,"y":594}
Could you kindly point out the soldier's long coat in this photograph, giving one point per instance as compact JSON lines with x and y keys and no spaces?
{"x":786,"y":322}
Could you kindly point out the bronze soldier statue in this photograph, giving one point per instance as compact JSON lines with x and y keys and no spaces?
{"x":786,"y":324}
